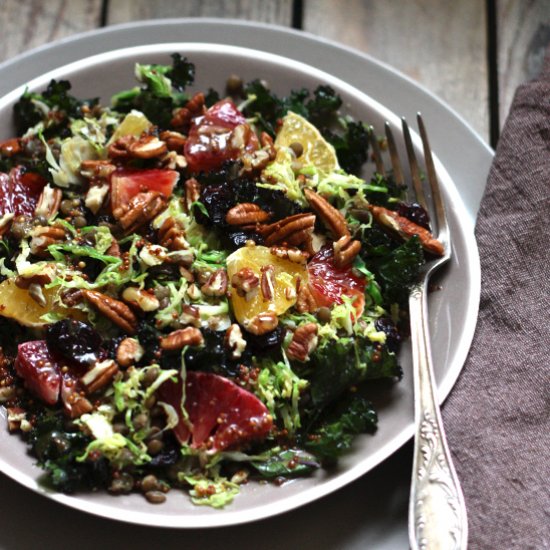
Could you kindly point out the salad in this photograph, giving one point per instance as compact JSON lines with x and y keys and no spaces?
{"x":195,"y":289}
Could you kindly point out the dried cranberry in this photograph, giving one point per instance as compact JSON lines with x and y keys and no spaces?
{"x":393,"y":336}
{"x":415,"y":213}
{"x":265,"y":342}
{"x":75,"y":341}
{"x":169,"y":454}
{"x":217,"y":199}
{"x":237,"y":239}
{"x":277,"y":203}
{"x":110,"y":347}
{"x":212,"y":357}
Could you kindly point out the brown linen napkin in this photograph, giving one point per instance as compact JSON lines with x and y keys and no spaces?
{"x":498,"y":416}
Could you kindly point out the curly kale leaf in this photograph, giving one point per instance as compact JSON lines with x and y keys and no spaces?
{"x":57,"y":450}
{"x":351,"y":145}
{"x":33,"y":108}
{"x":157,"y":108}
{"x":339,"y":364}
{"x":383,"y":191}
{"x":286,"y":463}
{"x":161,"y":90}
{"x":182,"y":72}
{"x":350,"y":140}
{"x":335,"y":435}
{"x":398,"y":270}
{"x":267,"y":107}
{"x":325,"y":103}
{"x":211,"y":97}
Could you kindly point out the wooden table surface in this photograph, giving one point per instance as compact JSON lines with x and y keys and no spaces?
{"x":471,"y":53}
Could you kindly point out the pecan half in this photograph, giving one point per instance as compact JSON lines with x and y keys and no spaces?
{"x":234,"y":341}
{"x":246,"y":213}
{"x":97,"y":169}
{"x":173,"y":161}
{"x":345,"y":251}
{"x":131,"y":147}
{"x":185,"y":273}
{"x":262,"y":323}
{"x":75,"y":405}
{"x":140,"y":210}
{"x":115,"y":310}
{"x":292,"y":230}
{"x":10,"y":147}
{"x":183,"y":116}
{"x":16,"y":418}
{"x":39,"y":279}
{"x":146,"y":301}
{"x":71,"y":296}
{"x":114,"y":249}
{"x":291,"y":254}
{"x":44,"y":236}
{"x":48,"y":203}
{"x":129,"y":352}
{"x":330,"y":216}
{"x":406,"y":229}
{"x":305,"y":301}
{"x":171,"y":235}
{"x":245,"y":282}
{"x":119,"y":148}
{"x":190,"y":315}
{"x":99,"y":375}
{"x":174,"y":140}
{"x":267,"y":284}
{"x":189,"y":336}
{"x":192,"y":192}
{"x":147,"y":147}
{"x":266,"y":141}
{"x":216,"y":284}
{"x":304,"y":341}
{"x":256,"y":161}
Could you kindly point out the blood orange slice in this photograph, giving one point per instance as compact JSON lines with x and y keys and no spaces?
{"x":221,"y":414}
{"x":20,"y":191}
{"x":329,"y":283}
{"x":127,"y":183}
{"x":40,"y":370}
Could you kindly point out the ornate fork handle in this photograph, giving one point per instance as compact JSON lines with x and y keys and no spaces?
{"x":437,"y":514}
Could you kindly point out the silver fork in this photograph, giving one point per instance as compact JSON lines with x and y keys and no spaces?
{"x":437,"y":513}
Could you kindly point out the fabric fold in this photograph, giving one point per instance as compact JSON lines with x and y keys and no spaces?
{"x":497,"y":417}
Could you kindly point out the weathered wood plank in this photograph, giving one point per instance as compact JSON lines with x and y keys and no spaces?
{"x":523,"y":34}
{"x":25,"y":24}
{"x":267,"y":11}
{"x":442,"y":45}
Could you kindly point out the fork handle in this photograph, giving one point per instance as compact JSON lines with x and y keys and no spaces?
{"x":437,"y":513}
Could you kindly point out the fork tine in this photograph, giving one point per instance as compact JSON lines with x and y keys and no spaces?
{"x":439,"y":207}
{"x":377,"y":156}
{"x":394,"y":157}
{"x":415,"y":172}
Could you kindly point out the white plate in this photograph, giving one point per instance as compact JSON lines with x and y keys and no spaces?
{"x":453,"y":310}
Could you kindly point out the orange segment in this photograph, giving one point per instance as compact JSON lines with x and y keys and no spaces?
{"x":286,"y":275}
{"x":316,"y":150}
{"x":17,"y":304}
